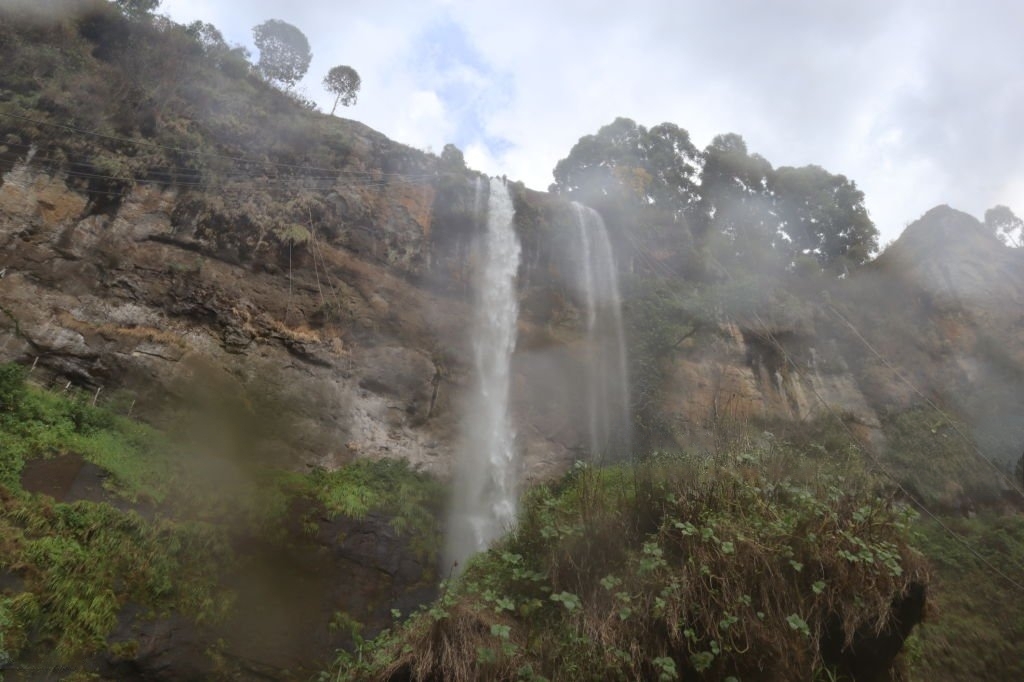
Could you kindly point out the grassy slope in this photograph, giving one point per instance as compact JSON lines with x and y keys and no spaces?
{"x":977,"y":625}
{"x":71,"y":568}
{"x":77,"y":564}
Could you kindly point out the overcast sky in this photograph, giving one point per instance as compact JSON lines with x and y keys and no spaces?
{"x":918,"y":101}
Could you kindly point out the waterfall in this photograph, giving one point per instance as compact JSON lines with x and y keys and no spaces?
{"x":606,"y":375}
{"x":484,"y":505}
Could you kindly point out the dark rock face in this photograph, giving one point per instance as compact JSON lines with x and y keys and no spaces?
{"x":871,"y":655}
{"x":171,"y":648}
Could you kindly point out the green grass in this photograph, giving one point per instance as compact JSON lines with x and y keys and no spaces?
{"x":976,"y":626}
{"x":38,"y":423}
{"x":80,"y":563}
{"x":412,"y":502}
{"x":931,"y":458}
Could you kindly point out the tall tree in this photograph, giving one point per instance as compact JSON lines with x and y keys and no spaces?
{"x":628,"y":162}
{"x":137,"y":8}
{"x":208,"y":36}
{"x":824,"y":216}
{"x":284,"y":52}
{"x":644,"y":183}
{"x":1005,"y":225}
{"x":737,"y":216}
{"x":343,"y":82}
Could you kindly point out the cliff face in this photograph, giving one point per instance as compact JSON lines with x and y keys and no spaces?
{"x":932,"y":328}
{"x":311,"y":285}
{"x":356,"y":345}
{"x":348,"y":341}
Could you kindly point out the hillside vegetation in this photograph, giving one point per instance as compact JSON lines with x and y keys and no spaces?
{"x":752,"y":564}
{"x":821,"y":486}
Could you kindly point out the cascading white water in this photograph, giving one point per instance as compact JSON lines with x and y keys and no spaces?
{"x":607,"y":374}
{"x":485,"y":499}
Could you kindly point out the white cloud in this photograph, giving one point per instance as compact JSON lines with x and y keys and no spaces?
{"x":423,"y":121}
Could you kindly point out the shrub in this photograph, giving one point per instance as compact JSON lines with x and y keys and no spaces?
{"x":12,"y":387}
{"x":681,"y":566}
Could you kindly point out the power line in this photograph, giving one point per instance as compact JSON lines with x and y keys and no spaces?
{"x":881,"y":468}
{"x":928,"y":401}
{"x":195,"y":152}
{"x":60,"y":165}
{"x":987,"y":564}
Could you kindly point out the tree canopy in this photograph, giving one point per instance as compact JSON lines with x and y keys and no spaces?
{"x":669,"y":197}
{"x":137,"y":8}
{"x":208,"y":36}
{"x":644,"y":183}
{"x":284,"y":52}
{"x":824,"y":216}
{"x":343,"y":82}
{"x":629,"y":162}
{"x":736,"y":203}
{"x":1005,"y":225}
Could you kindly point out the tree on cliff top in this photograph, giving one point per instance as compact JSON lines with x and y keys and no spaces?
{"x":644,"y":184}
{"x":824,"y":216}
{"x":1005,"y":225}
{"x":649,"y":167}
{"x":736,"y":216}
{"x":137,"y":8}
{"x":343,"y":82}
{"x":284,"y":52}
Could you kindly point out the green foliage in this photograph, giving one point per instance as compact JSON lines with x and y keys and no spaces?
{"x":680,"y":567}
{"x":43,"y":424}
{"x":661,"y":197}
{"x":293,"y":232}
{"x":1005,"y":224}
{"x":209,"y":37}
{"x":736,"y":215}
{"x":344,"y":83}
{"x":137,"y":8}
{"x":928,"y":453}
{"x":627,"y":160}
{"x":12,"y":388}
{"x":82,"y":562}
{"x":412,"y":501}
{"x":452,"y":159}
{"x":284,"y":52}
{"x":824,"y":215}
{"x":644,"y":184}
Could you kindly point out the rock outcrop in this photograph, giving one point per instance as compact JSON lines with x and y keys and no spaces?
{"x":343,"y":348}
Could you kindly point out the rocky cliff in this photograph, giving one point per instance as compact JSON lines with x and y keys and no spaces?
{"x":313,"y":283}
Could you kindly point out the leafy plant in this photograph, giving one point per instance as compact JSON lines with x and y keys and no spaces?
{"x":676,"y":567}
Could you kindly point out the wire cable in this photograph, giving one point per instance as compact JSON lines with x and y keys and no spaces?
{"x":884,"y":471}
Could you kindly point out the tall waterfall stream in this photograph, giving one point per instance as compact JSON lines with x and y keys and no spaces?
{"x":486,"y":476}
